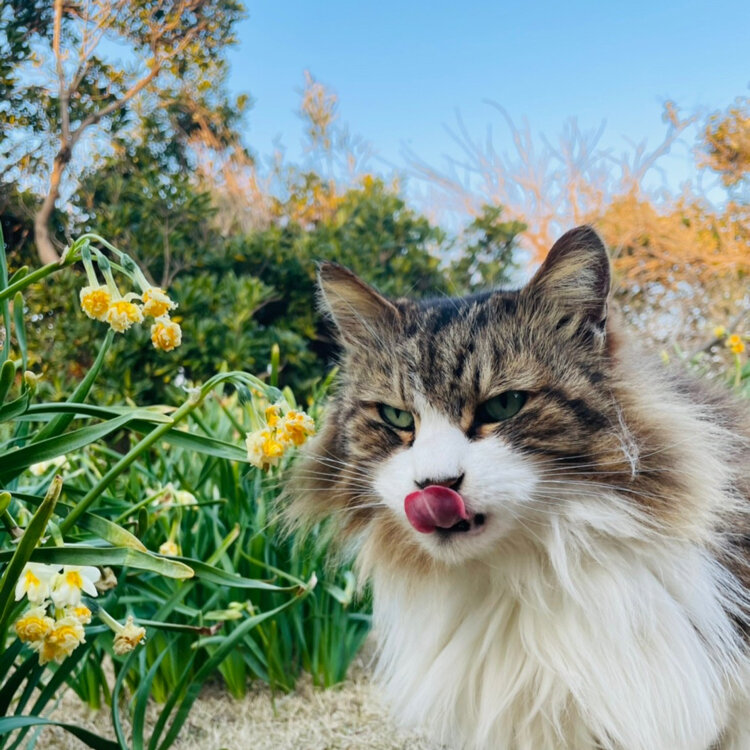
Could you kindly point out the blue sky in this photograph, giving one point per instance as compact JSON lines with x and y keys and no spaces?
{"x":401,"y":69}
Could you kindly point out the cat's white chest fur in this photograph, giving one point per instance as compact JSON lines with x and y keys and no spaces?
{"x":622,"y":648}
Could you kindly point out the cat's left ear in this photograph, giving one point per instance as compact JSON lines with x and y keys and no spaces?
{"x":361,"y":314}
{"x":575,"y":278}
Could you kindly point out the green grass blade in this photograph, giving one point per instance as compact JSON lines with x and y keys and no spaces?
{"x":11,"y":723}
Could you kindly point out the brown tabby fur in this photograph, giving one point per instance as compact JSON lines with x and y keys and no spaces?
{"x":586,"y":381}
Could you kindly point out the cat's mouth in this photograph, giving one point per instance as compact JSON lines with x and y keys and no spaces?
{"x":465,"y":525}
{"x":440,"y":509}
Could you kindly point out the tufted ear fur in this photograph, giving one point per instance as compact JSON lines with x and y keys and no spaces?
{"x":359,"y":311}
{"x":575,"y":278}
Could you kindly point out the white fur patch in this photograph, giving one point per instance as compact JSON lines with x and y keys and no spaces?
{"x":569,"y":623}
{"x":634,"y":650}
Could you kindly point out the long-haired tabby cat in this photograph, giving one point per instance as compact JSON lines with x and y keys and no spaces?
{"x":555,"y":529}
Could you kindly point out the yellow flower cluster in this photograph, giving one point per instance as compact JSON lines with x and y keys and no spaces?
{"x":54,"y":626}
{"x":266,"y":446}
{"x":735,"y":343}
{"x":104,"y":302}
{"x":128,"y":637}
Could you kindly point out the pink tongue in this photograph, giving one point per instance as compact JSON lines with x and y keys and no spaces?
{"x":434,"y":507}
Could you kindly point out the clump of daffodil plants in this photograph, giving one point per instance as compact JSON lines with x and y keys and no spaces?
{"x":143,"y":536}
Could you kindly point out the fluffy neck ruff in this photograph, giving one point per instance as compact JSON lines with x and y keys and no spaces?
{"x":577,"y":641}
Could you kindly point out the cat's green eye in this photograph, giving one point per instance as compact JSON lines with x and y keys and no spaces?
{"x":398,"y":418}
{"x":502,"y":407}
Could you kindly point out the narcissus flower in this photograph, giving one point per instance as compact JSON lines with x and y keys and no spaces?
{"x":272,"y":414}
{"x":169,"y":548}
{"x":81,"y":613}
{"x":156,"y":302}
{"x":263,"y":449}
{"x":295,"y":427}
{"x":736,"y":344}
{"x":60,"y":642}
{"x":166,"y":334}
{"x":68,"y":585}
{"x":128,"y":637}
{"x":39,"y":469}
{"x":34,"y":625}
{"x":34,"y":582}
{"x":122,"y":314}
{"x":95,"y":301}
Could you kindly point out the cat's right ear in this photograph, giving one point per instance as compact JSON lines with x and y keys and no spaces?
{"x":359,"y":311}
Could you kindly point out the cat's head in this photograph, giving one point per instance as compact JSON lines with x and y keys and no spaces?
{"x":457,"y":419}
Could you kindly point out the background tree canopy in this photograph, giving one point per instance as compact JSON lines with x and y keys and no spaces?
{"x":148,"y":152}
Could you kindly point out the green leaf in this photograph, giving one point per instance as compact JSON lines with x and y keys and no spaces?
{"x":15,"y":408}
{"x":132,"y":558}
{"x":102,"y":527}
{"x":11,"y":723}
{"x":206,"y":573}
{"x":58,"y":425}
{"x":144,"y":417}
{"x":15,"y":461}
{"x":20,"y":328}
{"x":7,"y":375}
{"x":190,"y":684}
{"x":5,"y":303}
{"x":207,"y":445}
{"x":23,"y":552}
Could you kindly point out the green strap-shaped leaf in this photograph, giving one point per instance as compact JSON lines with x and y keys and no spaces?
{"x":143,"y":420}
{"x":20,"y":328}
{"x":84,"y":555}
{"x":189,"y":686}
{"x":209,"y":574}
{"x":14,"y":462}
{"x":102,"y":527}
{"x":7,"y":375}
{"x":5,"y":304}
{"x":207,"y":445}
{"x":14,"y":408}
{"x":58,"y":424}
{"x":23,"y":552}
{"x":148,"y":416}
{"x":11,"y":723}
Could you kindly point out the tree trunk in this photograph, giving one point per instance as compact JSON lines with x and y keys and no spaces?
{"x":44,"y":247}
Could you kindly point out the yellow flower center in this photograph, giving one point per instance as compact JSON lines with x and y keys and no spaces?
{"x":73,"y":578}
{"x":272,"y":415}
{"x":63,"y":633}
{"x":83,"y":613}
{"x":156,"y":303}
{"x":166,"y":335}
{"x":122,"y":314}
{"x":31,"y":580}
{"x":33,"y":628}
{"x":95,"y":303}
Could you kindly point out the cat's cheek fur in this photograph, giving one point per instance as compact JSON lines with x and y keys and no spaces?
{"x":497,"y":482}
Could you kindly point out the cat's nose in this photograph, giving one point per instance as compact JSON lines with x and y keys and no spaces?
{"x":452,"y":483}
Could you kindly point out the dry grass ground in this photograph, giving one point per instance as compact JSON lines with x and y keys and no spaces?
{"x":349,"y":716}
